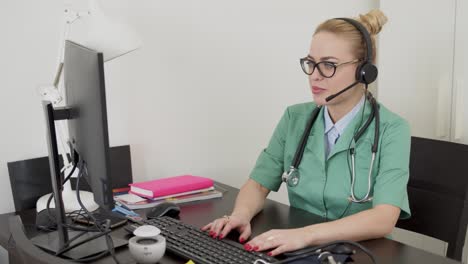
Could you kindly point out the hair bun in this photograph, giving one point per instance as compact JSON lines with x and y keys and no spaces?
{"x":373,"y":21}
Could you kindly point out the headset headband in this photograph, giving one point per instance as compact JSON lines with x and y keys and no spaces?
{"x":364,"y":33}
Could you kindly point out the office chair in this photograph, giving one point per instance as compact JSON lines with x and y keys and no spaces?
{"x":22,"y":250}
{"x":30,"y":179}
{"x":437,"y":191}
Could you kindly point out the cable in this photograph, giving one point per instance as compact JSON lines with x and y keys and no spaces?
{"x":70,"y":247}
{"x":49,"y":200}
{"x":76,"y":158}
{"x":110,"y":243}
{"x":318,"y":249}
{"x":103,"y":230}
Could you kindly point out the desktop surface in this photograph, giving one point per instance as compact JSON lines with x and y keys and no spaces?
{"x":274,"y":215}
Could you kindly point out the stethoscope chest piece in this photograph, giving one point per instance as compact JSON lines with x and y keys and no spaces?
{"x":291,"y":177}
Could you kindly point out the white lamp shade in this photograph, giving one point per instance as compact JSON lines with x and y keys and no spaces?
{"x":109,"y":36}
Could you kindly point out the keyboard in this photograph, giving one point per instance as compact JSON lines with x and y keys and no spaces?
{"x":190,"y":242}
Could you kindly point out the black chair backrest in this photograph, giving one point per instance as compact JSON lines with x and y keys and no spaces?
{"x":30,"y":179}
{"x":22,"y":250}
{"x":437,"y":192}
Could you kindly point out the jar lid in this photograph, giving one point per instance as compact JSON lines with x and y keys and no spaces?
{"x":147,"y":231}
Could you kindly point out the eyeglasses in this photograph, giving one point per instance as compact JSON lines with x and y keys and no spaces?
{"x":326,"y":69}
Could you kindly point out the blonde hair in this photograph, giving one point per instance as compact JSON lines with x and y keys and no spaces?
{"x":373,"y":21}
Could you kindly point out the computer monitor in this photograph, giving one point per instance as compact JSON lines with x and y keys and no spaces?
{"x":88,"y":131}
{"x":87,"y":119}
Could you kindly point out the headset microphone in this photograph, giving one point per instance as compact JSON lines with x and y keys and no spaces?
{"x":340,"y":92}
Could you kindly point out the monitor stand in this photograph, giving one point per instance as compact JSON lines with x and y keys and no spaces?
{"x":50,"y":242}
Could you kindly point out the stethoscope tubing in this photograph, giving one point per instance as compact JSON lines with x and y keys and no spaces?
{"x":367,"y":197}
{"x":292,"y":177}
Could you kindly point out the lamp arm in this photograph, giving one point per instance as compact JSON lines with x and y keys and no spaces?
{"x":58,"y":74}
{"x":70,"y":17}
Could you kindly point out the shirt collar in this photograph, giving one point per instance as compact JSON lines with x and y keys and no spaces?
{"x":344,"y":121}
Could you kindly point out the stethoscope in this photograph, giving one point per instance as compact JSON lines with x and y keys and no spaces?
{"x":292,"y":176}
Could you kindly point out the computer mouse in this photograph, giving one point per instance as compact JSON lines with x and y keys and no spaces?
{"x":164,"y":209}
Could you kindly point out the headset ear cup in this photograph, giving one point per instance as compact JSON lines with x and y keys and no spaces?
{"x":366,"y":73}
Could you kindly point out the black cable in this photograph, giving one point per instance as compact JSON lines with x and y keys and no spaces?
{"x":49,"y":200}
{"x":66,"y":245}
{"x":70,"y":247}
{"x":364,"y":127}
{"x":80,"y":228}
{"x":317,"y":249}
{"x":102,"y":232}
{"x":77,"y":213}
{"x":109,"y":242}
{"x":75,"y":158}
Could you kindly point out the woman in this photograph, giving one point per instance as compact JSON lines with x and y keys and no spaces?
{"x":337,"y":50}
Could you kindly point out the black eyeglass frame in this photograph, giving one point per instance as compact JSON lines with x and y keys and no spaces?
{"x":334,"y":65}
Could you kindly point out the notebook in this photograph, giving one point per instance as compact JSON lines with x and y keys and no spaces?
{"x":170,"y":186}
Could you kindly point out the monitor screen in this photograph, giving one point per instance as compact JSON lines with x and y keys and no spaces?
{"x":88,"y":130}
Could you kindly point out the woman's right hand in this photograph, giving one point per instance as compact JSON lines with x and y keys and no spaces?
{"x":220,"y":227}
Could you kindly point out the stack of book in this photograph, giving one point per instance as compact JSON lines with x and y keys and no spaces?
{"x":176,"y":189}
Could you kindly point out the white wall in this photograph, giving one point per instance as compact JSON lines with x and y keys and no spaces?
{"x":416,"y":64}
{"x":214,"y":78}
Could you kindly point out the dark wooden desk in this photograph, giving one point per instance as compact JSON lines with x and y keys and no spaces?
{"x":274,"y":215}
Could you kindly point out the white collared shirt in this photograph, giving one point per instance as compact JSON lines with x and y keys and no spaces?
{"x":334,"y":131}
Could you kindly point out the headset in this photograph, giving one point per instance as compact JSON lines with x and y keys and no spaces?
{"x":366,"y":73}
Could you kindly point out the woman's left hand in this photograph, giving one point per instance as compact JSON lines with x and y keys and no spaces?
{"x":280,"y":240}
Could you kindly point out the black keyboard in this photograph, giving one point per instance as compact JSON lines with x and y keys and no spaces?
{"x":191,"y":243}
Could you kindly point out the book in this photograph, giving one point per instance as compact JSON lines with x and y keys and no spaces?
{"x":170,"y":186}
{"x":131,"y":197}
{"x":147,"y":203}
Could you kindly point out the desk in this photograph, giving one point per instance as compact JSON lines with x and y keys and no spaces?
{"x":274,"y":215}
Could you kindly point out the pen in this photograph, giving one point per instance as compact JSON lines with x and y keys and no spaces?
{"x":128,"y":212}
{"x":122,"y":205}
{"x":124,"y":211}
{"x":125,"y":207}
{"x":134,"y":217}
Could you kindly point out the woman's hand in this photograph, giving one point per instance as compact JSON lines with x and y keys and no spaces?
{"x":280,"y":240}
{"x":220,"y":227}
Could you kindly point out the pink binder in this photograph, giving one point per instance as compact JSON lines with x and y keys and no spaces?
{"x":170,"y":185}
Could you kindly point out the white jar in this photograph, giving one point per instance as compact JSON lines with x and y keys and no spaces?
{"x":147,"y":246}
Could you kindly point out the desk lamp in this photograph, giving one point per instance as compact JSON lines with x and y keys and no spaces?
{"x":103,"y":34}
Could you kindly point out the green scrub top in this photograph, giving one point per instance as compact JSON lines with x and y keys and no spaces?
{"x":325,"y":182}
